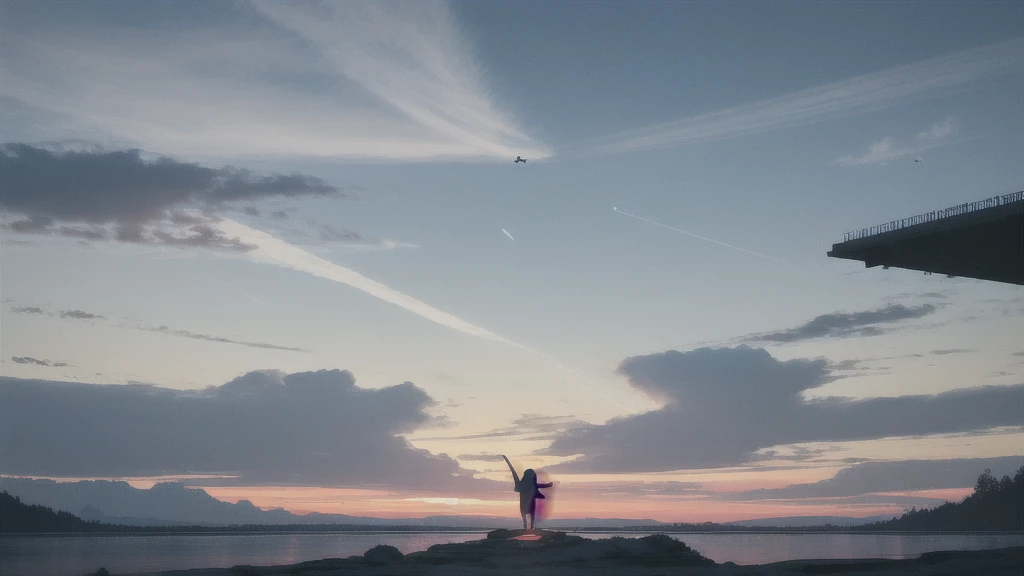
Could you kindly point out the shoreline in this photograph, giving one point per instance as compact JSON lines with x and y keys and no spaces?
{"x":227,"y":531}
{"x":563,"y":554}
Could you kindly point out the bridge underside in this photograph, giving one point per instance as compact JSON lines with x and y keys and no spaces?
{"x":987,"y":244}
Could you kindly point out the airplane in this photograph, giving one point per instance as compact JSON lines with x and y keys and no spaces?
{"x":520,"y":159}
{"x":917,"y":160}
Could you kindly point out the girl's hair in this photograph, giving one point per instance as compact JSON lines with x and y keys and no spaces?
{"x":530,"y":476}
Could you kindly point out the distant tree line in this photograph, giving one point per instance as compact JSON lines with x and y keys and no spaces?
{"x":996,"y":505}
{"x":16,"y":516}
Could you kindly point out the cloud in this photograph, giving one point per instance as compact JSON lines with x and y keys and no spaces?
{"x":858,"y":95}
{"x":481,"y":457}
{"x":27,"y":310}
{"x":79,"y":315}
{"x":721,"y":405}
{"x":363,"y":80}
{"x":936,"y":295}
{"x":309,"y":428}
{"x":606,"y":489}
{"x":888,"y":149}
{"x":847,"y":324}
{"x":536,"y":426}
{"x":33,"y":225}
{"x":141,"y":199}
{"x":83,"y":315}
{"x":208,"y":338}
{"x":899,"y":476}
{"x":37,"y":362}
{"x":938,"y":131}
{"x":331,"y":234}
{"x":952,"y":351}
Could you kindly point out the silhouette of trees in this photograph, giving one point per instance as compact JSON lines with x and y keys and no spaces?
{"x":995,"y":505}
{"x":16,"y":516}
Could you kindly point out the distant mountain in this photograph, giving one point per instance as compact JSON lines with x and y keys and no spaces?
{"x":173,"y":504}
{"x":805,"y":521}
{"x":165,"y":504}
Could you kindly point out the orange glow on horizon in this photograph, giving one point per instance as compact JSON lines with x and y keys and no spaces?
{"x":383,"y":504}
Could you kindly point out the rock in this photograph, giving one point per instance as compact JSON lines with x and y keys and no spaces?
{"x":383,"y":554}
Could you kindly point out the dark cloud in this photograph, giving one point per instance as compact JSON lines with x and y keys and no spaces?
{"x":900,"y":476}
{"x":83,"y":233}
{"x":310,"y":428}
{"x":139,"y":198}
{"x":250,"y":211}
{"x":952,"y":351}
{"x":208,"y":338}
{"x":28,"y":310}
{"x":79,"y":315}
{"x":721,"y":405}
{"x":331,"y":234}
{"x":199,"y":236}
{"x":280,"y":215}
{"x":935,"y":295}
{"x":847,"y":324}
{"x":33,"y":225}
{"x":37,"y":362}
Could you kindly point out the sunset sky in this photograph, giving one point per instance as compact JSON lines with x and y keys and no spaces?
{"x":280,"y":250}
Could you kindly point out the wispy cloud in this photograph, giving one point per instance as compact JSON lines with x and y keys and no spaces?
{"x":846,"y":324}
{"x":858,"y":95}
{"x":948,"y":351}
{"x":537,"y":426}
{"x":80,"y":315}
{"x":209,"y":338}
{"x":37,"y":362}
{"x":362,"y":80}
{"x":888,"y":148}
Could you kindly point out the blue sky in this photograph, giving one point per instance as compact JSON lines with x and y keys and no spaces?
{"x":766,"y":126}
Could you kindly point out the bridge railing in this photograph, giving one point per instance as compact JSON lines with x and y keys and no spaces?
{"x":935,"y":215}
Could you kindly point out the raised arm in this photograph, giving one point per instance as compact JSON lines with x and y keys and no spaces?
{"x":514,"y":475}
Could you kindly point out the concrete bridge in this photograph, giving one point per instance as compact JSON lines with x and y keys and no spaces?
{"x":983,"y":239}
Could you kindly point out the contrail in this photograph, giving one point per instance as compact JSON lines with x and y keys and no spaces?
{"x":858,"y":95}
{"x":641,"y":218}
{"x":507,"y":234}
{"x":272,"y":250}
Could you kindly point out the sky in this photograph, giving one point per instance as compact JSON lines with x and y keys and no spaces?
{"x":281,"y":251}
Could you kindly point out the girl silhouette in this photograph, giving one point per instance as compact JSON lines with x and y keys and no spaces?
{"x":528,"y":492}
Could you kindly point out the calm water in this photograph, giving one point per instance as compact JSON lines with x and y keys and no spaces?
{"x":78,"y":555}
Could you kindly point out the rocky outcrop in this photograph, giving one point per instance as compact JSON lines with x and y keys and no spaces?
{"x":505,"y":552}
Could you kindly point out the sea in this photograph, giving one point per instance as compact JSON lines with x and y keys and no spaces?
{"x":77,"y":555}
